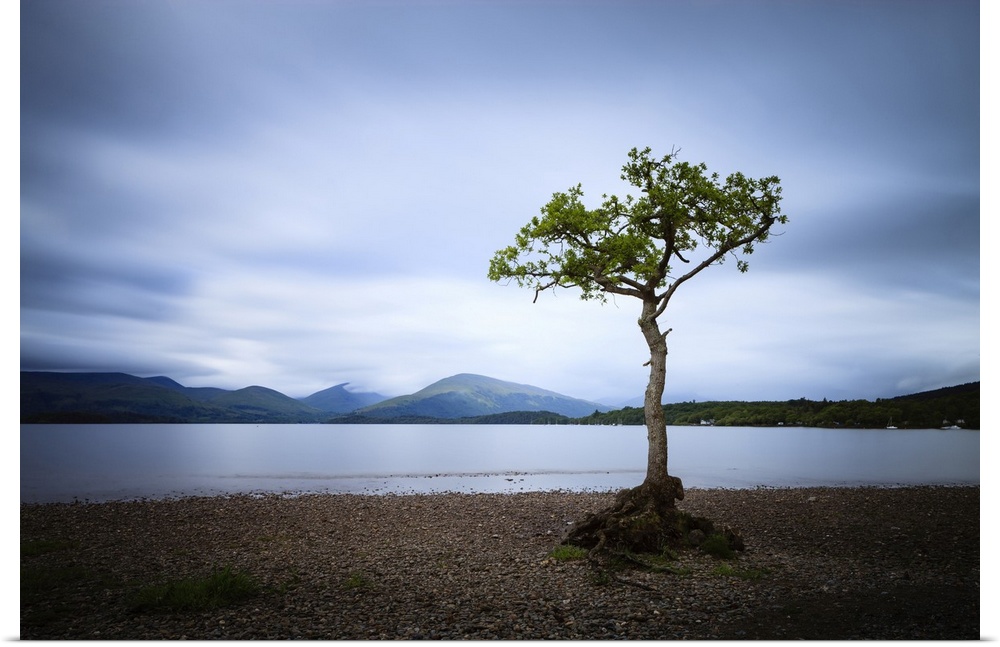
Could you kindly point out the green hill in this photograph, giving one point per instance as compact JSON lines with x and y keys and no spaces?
{"x":118,"y":397}
{"x":467,"y":396}
{"x":337,"y":399}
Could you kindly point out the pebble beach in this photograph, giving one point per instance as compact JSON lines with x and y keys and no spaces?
{"x":820,"y":563}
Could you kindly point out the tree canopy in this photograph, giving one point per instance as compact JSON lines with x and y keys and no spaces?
{"x":634,"y":245}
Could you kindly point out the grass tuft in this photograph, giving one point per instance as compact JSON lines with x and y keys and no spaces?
{"x":717,"y":545}
{"x":565,"y":552}
{"x":37,"y":547}
{"x":36,"y":582}
{"x":725,"y":570}
{"x":358,"y":581}
{"x":221,"y":588}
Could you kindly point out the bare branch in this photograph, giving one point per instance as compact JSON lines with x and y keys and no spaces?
{"x":722,"y":251}
{"x":541,"y":288}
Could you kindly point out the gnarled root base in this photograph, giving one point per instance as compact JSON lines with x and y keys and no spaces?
{"x":645,"y":519}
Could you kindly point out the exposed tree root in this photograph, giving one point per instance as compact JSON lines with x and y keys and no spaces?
{"x":645,"y":520}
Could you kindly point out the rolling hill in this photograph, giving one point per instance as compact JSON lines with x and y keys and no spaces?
{"x":467,"y":395}
{"x":337,"y":399}
{"x":119,"y":397}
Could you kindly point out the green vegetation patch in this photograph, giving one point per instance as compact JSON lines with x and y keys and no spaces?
{"x":222,"y":587}
{"x":717,"y":545}
{"x":726,"y":570}
{"x":35,"y":547}
{"x":665,"y":562}
{"x":566,"y":552}
{"x":43,"y":587}
{"x":356,"y":581}
{"x":38,"y":581}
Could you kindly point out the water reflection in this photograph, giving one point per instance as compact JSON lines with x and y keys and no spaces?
{"x":101,"y":462}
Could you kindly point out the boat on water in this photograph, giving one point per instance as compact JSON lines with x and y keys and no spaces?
{"x":890,"y":425}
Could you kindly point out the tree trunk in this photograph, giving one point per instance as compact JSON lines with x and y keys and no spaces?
{"x":656,"y":426}
{"x":658,"y":482}
{"x":645,"y":519}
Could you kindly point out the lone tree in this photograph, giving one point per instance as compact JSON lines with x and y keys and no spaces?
{"x":684,"y":222}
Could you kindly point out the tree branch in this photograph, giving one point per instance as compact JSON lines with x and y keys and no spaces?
{"x":722,"y":251}
{"x":542,"y":288}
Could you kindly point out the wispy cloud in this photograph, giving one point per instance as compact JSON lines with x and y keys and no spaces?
{"x":298,"y":194}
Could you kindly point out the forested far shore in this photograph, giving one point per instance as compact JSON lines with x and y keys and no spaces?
{"x":952,"y":407}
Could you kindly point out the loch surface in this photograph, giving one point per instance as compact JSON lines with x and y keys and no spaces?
{"x":65,"y":463}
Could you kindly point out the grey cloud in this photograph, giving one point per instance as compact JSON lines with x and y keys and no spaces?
{"x":175,"y":155}
{"x":928,"y":241}
{"x":53,"y":356}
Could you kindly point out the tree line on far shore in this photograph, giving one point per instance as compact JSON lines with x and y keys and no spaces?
{"x":953,"y":406}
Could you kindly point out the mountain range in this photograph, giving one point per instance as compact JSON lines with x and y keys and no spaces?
{"x":51,"y":397}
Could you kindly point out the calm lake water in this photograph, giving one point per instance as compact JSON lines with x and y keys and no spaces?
{"x":109,"y":462}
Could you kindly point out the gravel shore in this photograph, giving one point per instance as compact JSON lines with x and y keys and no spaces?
{"x":820,"y":563}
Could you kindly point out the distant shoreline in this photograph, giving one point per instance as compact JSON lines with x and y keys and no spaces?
{"x":109,"y":398}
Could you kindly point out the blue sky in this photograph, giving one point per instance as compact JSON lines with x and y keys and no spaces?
{"x":299,"y":194}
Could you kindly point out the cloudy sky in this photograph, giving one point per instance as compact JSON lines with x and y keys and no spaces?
{"x":297,"y":194}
